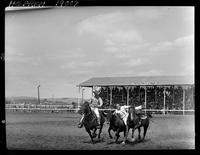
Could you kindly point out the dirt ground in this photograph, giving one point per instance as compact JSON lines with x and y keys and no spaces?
{"x":58,"y":131}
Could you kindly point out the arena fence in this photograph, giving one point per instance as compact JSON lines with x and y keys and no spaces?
{"x":64,"y":108}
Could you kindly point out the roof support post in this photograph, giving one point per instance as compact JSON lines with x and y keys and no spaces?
{"x":155,"y":99}
{"x":92,"y":90}
{"x":193,"y":95}
{"x":110,"y":96}
{"x":145,"y":99}
{"x":183,"y":100}
{"x":78,"y":99}
{"x":82,"y":94}
{"x":164,"y":100}
{"x":173,"y":97}
{"x":139,"y":95}
{"x":127,"y":97}
{"x":107,"y":95}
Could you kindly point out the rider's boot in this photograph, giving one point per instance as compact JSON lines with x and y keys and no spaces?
{"x":80,"y":124}
{"x":98,"y":122}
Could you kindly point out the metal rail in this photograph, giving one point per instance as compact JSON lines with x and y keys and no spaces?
{"x":76,"y":109}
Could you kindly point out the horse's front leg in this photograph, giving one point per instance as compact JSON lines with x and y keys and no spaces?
{"x":117,"y":135}
{"x":145,"y":131}
{"x":139,"y":137}
{"x":126,"y":134}
{"x":100,"y":131}
{"x":88,"y":131}
{"x":94,"y":133}
{"x":109,"y":129}
{"x":133,"y":139}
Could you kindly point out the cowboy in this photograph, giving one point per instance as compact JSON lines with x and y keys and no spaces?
{"x":123,"y":112}
{"x":96,"y":102}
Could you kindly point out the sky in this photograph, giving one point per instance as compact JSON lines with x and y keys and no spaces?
{"x":62,"y":47}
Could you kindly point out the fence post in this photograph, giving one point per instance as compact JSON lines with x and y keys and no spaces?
{"x":183,"y":101}
{"x":145,"y":99}
{"x":164,"y":101}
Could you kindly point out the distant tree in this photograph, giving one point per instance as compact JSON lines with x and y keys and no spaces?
{"x":8,"y":102}
{"x":74,"y":104}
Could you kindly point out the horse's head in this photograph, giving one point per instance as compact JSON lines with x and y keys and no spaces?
{"x":132,"y":113}
{"x":109,"y":115}
{"x":85,"y":108}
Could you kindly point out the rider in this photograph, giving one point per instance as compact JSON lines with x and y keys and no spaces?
{"x":96,"y":102}
{"x":122,"y":111}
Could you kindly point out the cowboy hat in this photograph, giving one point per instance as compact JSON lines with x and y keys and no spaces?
{"x":96,"y":92}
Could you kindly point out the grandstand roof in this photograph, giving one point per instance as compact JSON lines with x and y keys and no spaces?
{"x":138,"y":80}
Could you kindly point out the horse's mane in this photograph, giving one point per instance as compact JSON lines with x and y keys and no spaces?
{"x":116,"y":116}
{"x":86,"y":103}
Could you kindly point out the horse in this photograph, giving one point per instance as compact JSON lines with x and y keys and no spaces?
{"x":116,"y":124}
{"x":133,"y":121}
{"x":90,"y":121}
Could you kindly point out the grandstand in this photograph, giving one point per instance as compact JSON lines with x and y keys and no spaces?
{"x":158,"y":94}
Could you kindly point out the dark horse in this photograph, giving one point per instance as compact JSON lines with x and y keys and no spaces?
{"x":116,"y":124}
{"x":90,"y":121}
{"x":133,"y":122}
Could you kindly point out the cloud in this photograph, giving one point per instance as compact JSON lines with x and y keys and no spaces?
{"x":65,"y":54}
{"x":13,"y":55}
{"x":135,"y":62}
{"x":100,"y":24}
{"x":112,"y":49}
{"x":151,"y":72}
{"x":82,"y":64}
{"x":125,"y":36}
{"x":121,"y":36}
{"x":82,"y":72}
{"x":184,"y":41}
{"x":68,"y":84}
{"x":116,"y":28}
{"x":181,"y":42}
{"x":162,"y":46}
{"x":109,"y":22}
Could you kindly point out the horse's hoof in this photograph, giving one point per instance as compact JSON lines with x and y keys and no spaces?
{"x":133,"y":139}
{"x":123,"y":142}
{"x":94,"y":135}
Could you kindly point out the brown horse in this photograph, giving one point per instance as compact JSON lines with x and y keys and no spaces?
{"x":134,"y":122}
{"x":116,"y":124}
{"x":90,"y":121}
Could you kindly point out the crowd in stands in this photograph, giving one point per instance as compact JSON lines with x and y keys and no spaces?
{"x":154,"y":98}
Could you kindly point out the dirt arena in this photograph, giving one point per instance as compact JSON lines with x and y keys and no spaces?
{"x":58,"y":131}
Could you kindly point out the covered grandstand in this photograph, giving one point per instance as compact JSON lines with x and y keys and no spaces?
{"x":159,"y":94}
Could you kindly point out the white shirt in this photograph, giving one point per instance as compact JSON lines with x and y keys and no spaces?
{"x":96,"y":102}
{"x":123,"y":111}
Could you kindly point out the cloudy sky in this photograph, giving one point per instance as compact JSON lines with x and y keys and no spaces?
{"x":60,"y":48}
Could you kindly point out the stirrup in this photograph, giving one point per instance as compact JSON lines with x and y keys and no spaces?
{"x":98,"y":126}
{"x":80,"y":125}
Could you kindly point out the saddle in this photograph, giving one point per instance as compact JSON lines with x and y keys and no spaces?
{"x":143,"y":117}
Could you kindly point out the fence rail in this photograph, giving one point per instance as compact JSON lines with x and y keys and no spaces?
{"x":76,"y":109}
